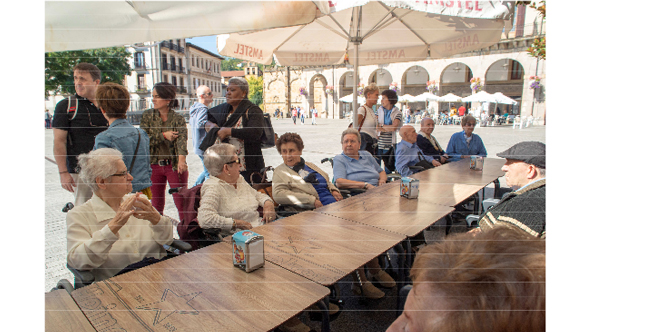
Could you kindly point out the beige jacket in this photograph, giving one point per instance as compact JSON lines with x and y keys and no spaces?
{"x":288,"y":188}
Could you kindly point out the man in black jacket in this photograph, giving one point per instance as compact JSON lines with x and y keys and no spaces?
{"x":525,"y":207}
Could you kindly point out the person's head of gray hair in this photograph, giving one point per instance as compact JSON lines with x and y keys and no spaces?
{"x":241,"y":83}
{"x":216,"y":156}
{"x":351,"y":131}
{"x":201,"y":90}
{"x":101,"y":163}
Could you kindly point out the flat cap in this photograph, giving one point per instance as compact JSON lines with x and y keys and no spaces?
{"x":530,"y":152}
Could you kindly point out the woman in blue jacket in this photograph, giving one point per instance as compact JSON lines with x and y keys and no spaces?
{"x":465,"y":144}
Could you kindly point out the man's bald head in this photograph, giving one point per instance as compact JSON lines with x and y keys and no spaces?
{"x":408,"y":133}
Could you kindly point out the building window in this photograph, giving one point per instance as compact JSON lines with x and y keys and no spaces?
{"x":139,"y":60}
{"x":181,"y":81}
{"x":193,"y":61}
{"x":141,"y":82}
{"x":516,"y":71}
{"x":174,"y":81}
{"x":166,"y":78}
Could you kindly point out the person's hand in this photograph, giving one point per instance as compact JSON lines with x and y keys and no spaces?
{"x":475,"y":231}
{"x":210,"y":125}
{"x":145,"y":210}
{"x":224,"y":133}
{"x":336,"y":194}
{"x":182,"y":167}
{"x":170,"y":135}
{"x":436,"y":163}
{"x":319,"y":204}
{"x":381,"y":182}
{"x":240,"y":224}
{"x":444,"y":158}
{"x":67,"y":182}
{"x":370,"y":186}
{"x":269,"y":214}
{"x":124,"y":212}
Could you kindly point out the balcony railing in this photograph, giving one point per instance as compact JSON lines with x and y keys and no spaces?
{"x":166,"y":44}
{"x":140,"y":64}
{"x":173,"y":67}
{"x":180,"y":69}
{"x":180,"y":49}
{"x":141,"y":89}
{"x":165,"y":66}
{"x":181,"y":89}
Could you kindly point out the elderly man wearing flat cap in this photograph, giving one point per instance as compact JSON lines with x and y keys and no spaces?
{"x":523,"y":208}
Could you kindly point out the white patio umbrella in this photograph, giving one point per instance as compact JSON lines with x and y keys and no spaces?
{"x":502,"y":99}
{"x":480,"y":97}
{"x":349,"y":99}
{"x":95,"y":24}
{"x":377,"y":32}
{"x":407,"y":98}
{"x":449,"y":98}
{"x":426,"y":96}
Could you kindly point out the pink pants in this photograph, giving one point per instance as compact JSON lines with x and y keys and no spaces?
{"x":161,"y":175}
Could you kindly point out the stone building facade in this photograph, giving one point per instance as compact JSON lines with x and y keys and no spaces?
{"x":504,"y":67}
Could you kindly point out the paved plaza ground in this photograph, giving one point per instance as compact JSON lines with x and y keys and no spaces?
{"x":321,"y":141}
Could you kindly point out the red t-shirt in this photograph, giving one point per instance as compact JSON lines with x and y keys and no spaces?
{"x":461,"y":111}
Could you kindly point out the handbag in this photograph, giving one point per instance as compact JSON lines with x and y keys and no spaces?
{"x":268,"y":137}
{"x":367,"y":142}
{"x":423,"y":163}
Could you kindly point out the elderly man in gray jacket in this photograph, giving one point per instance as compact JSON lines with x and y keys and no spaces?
{"x":197,"y":120}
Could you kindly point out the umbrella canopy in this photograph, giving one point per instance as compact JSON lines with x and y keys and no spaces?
{"x":95,"y":24}
{"x":349,"y":99}
{"x":502,"y":99}
{"x":481,"y":96}
{"x":450,"y":98}
{"x":426,"y":96}
{"x":377,"y":32}
{"x":407,"y":98}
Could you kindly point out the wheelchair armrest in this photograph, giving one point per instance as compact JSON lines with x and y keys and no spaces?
{"x":81,"y":278}
{"x":179,"y":244}
{"x":471,"y":218}
{"x":489,"y":203}
{"x":64,"y":284}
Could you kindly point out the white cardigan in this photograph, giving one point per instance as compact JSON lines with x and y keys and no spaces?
{"x":221,"y":203}
{"x":93,"y":246}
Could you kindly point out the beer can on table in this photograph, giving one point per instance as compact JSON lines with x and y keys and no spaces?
{"x":409,"y":187}
{"x":247,"y":250}
{"x":477,"y":163}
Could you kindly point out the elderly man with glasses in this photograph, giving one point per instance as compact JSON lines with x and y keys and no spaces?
{"x":197,"y":121}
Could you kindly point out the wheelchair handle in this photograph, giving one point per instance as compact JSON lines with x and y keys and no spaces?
{"x":175,"y":190}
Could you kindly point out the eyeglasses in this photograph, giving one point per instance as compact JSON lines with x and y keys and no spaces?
{"x":124,"y":174}
{"x":469,"y":124}
{"x":233,"y":161}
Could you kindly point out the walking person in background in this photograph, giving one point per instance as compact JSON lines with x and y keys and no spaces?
{"x":302,"y":114}
{"x":197,"y":121}
{"x":167,"y":131}
{"x":48,"y":119}
{"x":313,"y":115}
{"x":294,"y":115}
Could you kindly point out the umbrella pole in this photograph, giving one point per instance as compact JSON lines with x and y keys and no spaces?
{"x":356,"y":81}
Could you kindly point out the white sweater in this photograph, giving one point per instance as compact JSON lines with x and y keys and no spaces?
{"x":221,"y":203}
{"x":93,"y":246}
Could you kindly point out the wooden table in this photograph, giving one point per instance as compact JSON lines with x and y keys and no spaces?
{"x":321,"y":247}
{"x":389,"y":211}
{"x":198,"y":291}
{"x":459,"y":172}
{"x":63,"y":314}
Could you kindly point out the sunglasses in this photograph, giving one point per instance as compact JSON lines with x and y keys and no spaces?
{"x":233,"y":161}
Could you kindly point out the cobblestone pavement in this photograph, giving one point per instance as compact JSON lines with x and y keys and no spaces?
{"x":321,"y":141}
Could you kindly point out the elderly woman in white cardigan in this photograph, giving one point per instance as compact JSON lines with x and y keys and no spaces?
{"x":114,"y":231}
{"x":227,"y":202}
{"x":299,"y":185}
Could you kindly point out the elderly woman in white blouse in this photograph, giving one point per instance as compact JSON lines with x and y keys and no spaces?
{"x":227,"y":202}
{"x":115,"y":230}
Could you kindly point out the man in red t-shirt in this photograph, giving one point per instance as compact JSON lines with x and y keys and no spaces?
{"x":461,"y":111}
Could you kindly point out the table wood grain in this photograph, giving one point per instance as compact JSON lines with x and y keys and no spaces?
{"x":63,"y":314}
{"x":321,"y":247}
{"x":198,"y":291}
{"x":389,"y":211}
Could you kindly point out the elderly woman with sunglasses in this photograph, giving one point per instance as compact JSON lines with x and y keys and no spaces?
{"x":227,"y":202}
{"x":115,"y":230}
{"x":465,"y":143}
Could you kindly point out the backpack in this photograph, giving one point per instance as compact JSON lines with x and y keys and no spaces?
{"x":268,"y":137}
{"x":71,"y":108}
